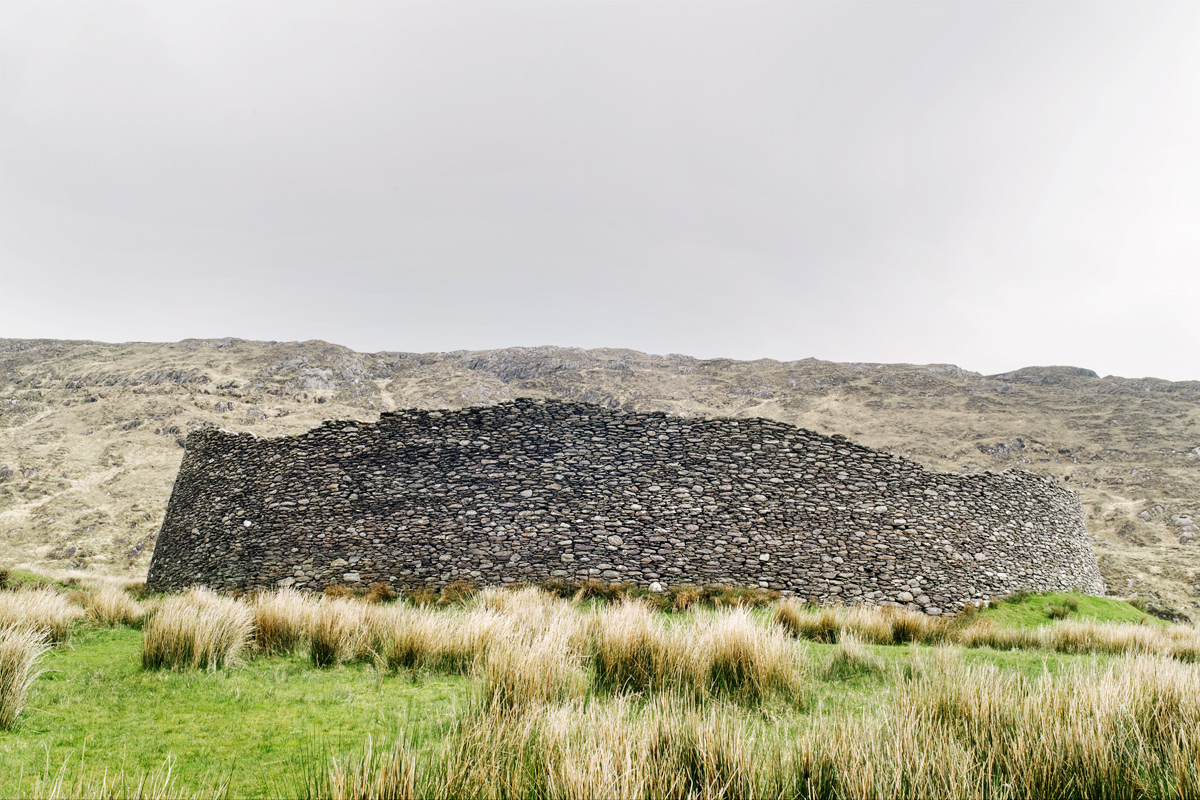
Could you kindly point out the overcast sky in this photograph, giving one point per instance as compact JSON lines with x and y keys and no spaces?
{"x":989,"y":184}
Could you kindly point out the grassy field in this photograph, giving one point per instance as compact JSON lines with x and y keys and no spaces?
{"x":525,"y":694}
{"x":250,"y":725}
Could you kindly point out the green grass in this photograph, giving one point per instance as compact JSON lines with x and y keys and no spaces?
{"x":266,"y":724}
{"x":251,"y":724}
{"x":259,"y":724}
{"x":20,"y":579}
{"x":1030,"y":611}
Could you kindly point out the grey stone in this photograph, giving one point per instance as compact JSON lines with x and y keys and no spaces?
{"x":630,"y":497}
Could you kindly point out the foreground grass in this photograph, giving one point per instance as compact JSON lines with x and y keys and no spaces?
{"x":521,"y":694}
{"x":250,"y":725}
{"x":265,"y":726}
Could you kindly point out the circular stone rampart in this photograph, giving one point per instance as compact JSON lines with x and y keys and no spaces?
{"x":532,"y":490}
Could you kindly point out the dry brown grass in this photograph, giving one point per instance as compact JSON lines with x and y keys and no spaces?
{"x":370,"y":773}
{"x":735,"y":656}
{"x":20,"y":648}
{"x":456,"y":639}
{"x":985,"y":633}
{"x":887,"y":625}
{"x":110,"y":606}
{"x":1126,"y":732}
{"x":379,"y":593}
{"x":337,"y":630}
{"x":1177,"y":641}
{"x":726,"y":653}
{"x":405,"y":638}
{"x":42,"y":608}
{"x":519,"y":671}
{"x":1181,"y":642}
{"x":805,"y":622}
{"x":633,"y":650}
{"x":281,"y":621}
{"x":197,"y":630}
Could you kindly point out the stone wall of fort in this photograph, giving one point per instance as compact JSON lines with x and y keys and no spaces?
{"x":531,"y":490}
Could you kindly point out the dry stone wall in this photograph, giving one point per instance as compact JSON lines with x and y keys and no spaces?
{"x":532,"y":490}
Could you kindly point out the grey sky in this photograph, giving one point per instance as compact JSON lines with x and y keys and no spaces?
{"x":989,"y":184}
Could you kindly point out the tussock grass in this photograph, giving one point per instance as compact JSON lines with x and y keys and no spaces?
{"x":727,"y":654}
{"x":634,"y":651}
{"x":197,"y":630}
{"x":518,"y":671}
{"x":366,"y":774}
{"x":41,"y":608}
{"x":617,"y":700}
{"x":405,"y":638}
{"x":281,"y":621}
{"x":900,"y":625}
{"x":1131,"y":730}
{"x":1181,"y":642}
{"x":109,"y":606}
{"x":379,"y":593}
{"x":737,"y":657}
{"x":985,"y":633}
{"x":337,"y":631}
{"x":20,"y":648}
{"x":424,"y":638}
{"x":1128,"y":731}
{"x":888,"y":625}
{"x":850,"y":659}
{"x":1177,"y":641}
{"x":803,"y":622}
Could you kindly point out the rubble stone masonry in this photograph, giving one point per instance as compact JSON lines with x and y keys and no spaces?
{"x":532,"y":490}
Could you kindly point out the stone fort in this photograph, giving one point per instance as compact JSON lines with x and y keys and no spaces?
{"x":532,"y":490}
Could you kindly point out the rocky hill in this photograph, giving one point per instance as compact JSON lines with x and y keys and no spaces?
{"x":91,"y":433}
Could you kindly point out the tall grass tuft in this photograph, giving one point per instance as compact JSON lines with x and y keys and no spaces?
{"x":803,"y":622}
{"x":851,"y":659}
{"x":1070,"y":636}
{"x":725,"y":654}
{"x":915,"y":626}
{"x":281,"y":621}
{"x":888,"y":625}
{"x":441,"y":641}
{"x":110,"y":606}
{"x":366,"y":774}
{"x":42,"y":608}
{"x":519,"y":671}
{"x":633,"y":650}
{"x":405,"y":638}
{"x":20,"y":649}
{"x":337,"y":631}
{"x":197,"y":630}
{"x":736,"y":657}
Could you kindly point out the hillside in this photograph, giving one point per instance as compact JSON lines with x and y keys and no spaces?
{"x":91,"y":433}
